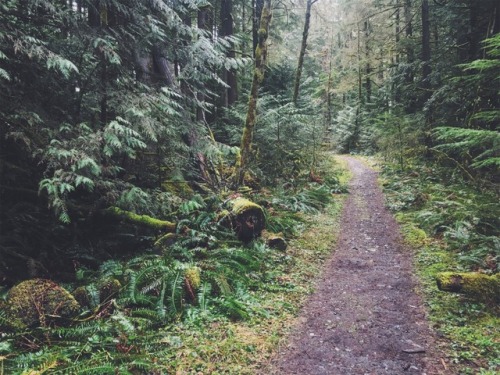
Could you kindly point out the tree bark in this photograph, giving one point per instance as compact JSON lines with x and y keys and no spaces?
{"x":426,"y":46}
{"x":204,"y":23}
{"x":302,"y":53}
{"x":368,"y":69}
{"x":258,"y":5}
{"x":258,"y":77}
{"x":227,"y":29}
{"x":410,"y":53}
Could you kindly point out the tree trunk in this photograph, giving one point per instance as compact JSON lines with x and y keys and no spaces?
{"x":162,"y":70}
{"x":426,"y":46}
{"x":472,"y":284}
{"x":368,"y":69}
{"x":410,"y":54}
{"x":227,"y":29}
{"x":204,"y":23}
{"x":258,"y":77}
{"x":302,"y":53}
{"x":360,"y":76}
{"x":398,"y":29}
{"x":258,"y":5}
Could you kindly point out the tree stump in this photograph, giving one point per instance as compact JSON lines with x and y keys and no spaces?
{"x":275,"y":240}
{"x":246,"y":218}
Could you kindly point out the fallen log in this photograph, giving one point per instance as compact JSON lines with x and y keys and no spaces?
{"x":246,"y":218}
{"x":142,"y":220}
{"x":473,"y":284}
{"x":274,"y":240}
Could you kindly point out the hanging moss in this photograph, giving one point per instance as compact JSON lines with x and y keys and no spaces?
{"x":143,"y":220}
{"x":473,"y":284}
{"x":38,"y":302}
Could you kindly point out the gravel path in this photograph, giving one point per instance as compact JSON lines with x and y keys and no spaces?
{"x":364,"y":317}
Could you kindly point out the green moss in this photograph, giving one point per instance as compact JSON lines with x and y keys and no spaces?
{"x":178,"y":187}
{"x":258,"y":53}
{"x":109,"y":289}
{"x":193,"y":276}
{"x":414,"y":236}
{"x":262,"y":33}
{"x":473,"y":284}
{"x":34,"y":302}
{"x":144,"y":220}
{"x":240,"y":205}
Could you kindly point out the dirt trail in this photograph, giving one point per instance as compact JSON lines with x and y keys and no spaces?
{"x":364,"y":317}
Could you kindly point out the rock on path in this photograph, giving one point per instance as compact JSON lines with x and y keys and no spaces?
{"x":365,"y":316}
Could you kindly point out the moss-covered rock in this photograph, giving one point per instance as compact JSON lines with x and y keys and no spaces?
{"x":473,"y":284}
{"x":37,"y":302}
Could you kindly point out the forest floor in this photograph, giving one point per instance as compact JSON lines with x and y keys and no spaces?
{"x":366,"y":315}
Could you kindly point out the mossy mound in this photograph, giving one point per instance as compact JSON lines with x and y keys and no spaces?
{"x":38,"y":302}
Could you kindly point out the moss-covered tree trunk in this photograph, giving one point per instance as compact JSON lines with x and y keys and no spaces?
{"x":258,"y":77}
{"x":141,"y":220}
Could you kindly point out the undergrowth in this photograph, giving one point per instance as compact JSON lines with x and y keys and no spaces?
{"x":198,"y":301}
{"x":455,"y":227}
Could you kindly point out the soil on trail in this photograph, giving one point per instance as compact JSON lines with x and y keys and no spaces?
{"x":365,"y":316}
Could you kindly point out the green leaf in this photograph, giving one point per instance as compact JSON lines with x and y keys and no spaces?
{"x":64,"y":66}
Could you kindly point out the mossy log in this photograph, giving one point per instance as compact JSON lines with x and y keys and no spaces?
{"x":142,"y":220}
{"x":246,"y":218}
{"x":39,"y":302}
{"x":275,"y":240}
{"x":473,"y":284}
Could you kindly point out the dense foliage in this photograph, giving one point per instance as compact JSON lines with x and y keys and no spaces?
{"x":138,"y":107}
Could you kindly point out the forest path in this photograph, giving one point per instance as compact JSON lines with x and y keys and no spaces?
{"x":365,"y":316}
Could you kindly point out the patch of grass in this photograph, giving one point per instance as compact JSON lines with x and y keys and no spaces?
{"x":345,"y":174}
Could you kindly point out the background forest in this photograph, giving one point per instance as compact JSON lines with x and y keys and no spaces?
{"x":128,"y":131}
